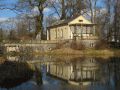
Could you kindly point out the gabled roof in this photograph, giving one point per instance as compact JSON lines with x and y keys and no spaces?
{"x":80,"y":20}
{"x":73,"y":21}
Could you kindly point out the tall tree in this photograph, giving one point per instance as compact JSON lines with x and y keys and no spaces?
{"x":117,"y":21}
{"x":109,"y":5}
{"x":1,"y":34}
{"x":28,"y":5}
{"x":68,"y":8}
{"x":75,"y":8}
{"x":63,"y":15}
{"x":12,"y":35}
{"x":92,"y":7}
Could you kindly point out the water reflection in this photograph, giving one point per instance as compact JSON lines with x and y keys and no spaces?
{"x":83,"y":73}
{"x":93,"y":72}
{"x":78,"y":71}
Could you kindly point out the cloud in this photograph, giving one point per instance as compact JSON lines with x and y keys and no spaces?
{"x":35,"y":11}
{"x":47,"y":10}
{"x":3,"y":19}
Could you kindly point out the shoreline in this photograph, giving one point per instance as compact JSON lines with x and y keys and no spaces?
{"x":104,"y":53}
{"x":87,"y":52}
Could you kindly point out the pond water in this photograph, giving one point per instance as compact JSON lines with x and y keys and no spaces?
{"x":73,"y":73}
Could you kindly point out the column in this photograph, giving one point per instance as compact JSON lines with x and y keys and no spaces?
{"x":48,"y":35}
{"x":94,"y":31}
{"x":86,"y":33}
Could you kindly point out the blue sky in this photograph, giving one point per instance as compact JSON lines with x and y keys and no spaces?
{"x":7,"y":13}
{"x":4,"y":14}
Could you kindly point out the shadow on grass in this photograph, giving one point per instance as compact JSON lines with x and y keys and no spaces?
{"x":14,"y":73}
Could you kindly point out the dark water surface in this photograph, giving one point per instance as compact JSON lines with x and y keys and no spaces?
{"x":85,"y":73}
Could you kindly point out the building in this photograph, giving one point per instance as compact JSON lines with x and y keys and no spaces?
{"x":78,"y":28}
{"x":86,"y":70}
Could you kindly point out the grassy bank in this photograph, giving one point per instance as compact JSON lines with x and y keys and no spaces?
{"x":87,"y":52}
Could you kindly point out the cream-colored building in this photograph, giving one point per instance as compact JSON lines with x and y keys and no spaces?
{"x":77,"y":28}
{"x":85,"y":70}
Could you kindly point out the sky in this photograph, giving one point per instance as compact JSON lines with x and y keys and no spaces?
{"x":5,"y":14}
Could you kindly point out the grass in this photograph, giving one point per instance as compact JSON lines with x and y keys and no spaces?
{"x":86,"y":52}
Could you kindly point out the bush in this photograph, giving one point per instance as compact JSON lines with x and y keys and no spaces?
{"x":58,"y":45}
{"x":62,"y":44}
{"x":77,"y":45}
{"x":102,"y":44}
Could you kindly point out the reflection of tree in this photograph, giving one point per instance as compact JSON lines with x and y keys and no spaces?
{"x":86,"y":70}
{"x":116,"y":72}
{"x":105,"y":74}
{"x":38,"y":75}
{"x":14,"y":73}
{"x":110,"y":73}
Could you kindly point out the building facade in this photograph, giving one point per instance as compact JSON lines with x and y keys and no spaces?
{"x":77,"y":28}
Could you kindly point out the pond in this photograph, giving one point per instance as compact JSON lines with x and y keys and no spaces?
{"x":73,"y":73}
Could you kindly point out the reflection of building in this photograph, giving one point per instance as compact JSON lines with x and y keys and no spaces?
{"x":86,"y":70}
{"x":77,"y":29}
{"x":62,"y":71}
{"x":13,"y":58}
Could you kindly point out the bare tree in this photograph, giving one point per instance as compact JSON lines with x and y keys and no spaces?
{"x":68,"y":8}
{"x":75,"y":8}
{"x":1,"y":34}
{"x":28,"y":5}
{"x":12,"y":35}
{"x":92,"y":6}
{"x":117,"y":21}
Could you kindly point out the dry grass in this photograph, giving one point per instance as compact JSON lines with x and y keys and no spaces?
{"x":80,"y":52}
{"x":87,"y":52}
{"x":66,"y":51}
{"x":2,"y":60}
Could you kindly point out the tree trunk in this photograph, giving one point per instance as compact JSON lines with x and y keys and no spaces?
{"x":63,"y":16}
{"x":39,"y":24}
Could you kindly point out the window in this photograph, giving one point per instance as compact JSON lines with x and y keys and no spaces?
{"x":80,"y":20}
{"x":62,"y":32}
{"x":56,"y":33}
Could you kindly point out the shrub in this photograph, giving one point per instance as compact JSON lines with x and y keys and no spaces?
{"x":62,"y":44}
{"x":58,"y":45}
{"x":77,"y":45}
{"x":102,"y":44}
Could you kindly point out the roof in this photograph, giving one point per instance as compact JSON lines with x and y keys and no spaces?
{"x":60,"y":22}
{"x":80,"y":20}
{"x":73,"y":21}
